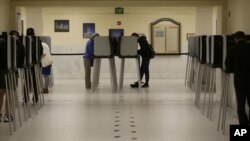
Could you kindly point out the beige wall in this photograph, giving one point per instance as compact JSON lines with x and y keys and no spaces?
{"x":4,"y":15}
{"x":239,"y":16}
{"x":204,"y":20}
{"x":114,"y":3}
{"x":34,"y":19}
{"x":135,"y":19}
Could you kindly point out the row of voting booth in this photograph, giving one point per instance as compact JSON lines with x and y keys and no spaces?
{"x":124,"y":47}
{"x":205,"y":55}
{"x":29,"y":72}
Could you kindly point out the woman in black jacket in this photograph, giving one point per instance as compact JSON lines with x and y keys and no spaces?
{"x":145,"y":55}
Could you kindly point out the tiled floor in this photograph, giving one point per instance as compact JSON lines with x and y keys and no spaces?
{"x":164,"y":112}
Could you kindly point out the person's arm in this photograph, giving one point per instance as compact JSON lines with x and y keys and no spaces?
{"x":87,"y":51}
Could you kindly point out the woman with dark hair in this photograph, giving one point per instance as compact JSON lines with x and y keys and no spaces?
{"x":145,"y":55}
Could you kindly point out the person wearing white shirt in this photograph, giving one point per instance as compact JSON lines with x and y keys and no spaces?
{"x":46,"y":66}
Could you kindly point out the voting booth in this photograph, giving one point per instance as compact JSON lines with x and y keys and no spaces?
{"x":200,"y":66}
{"x":193,"y":44}
{"x":228,"y":43}
{"x":5,"y":52}
{"x":103,"y":49}
{"x":128,"y":49}
{"x":213,"y":61}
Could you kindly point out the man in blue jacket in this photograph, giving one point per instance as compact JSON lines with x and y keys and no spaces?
{"x":88,"y":60}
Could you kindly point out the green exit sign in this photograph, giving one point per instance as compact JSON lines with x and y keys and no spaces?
{"x":119,"y":10}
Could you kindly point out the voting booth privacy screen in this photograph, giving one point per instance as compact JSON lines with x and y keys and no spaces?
{"x":5,"y":52}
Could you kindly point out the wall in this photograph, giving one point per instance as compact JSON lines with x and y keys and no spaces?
{"x":204,"y":20}
{"x":4,"y":15}
{"x":135,"y":19}
{"x":239,"y":16}
{"x":34,"y":19}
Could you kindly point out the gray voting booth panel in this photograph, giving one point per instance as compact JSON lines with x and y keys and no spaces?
{"x":208,"y":49}
{"x":129,"y":46}
{"x":13,"y":51}
{"x":46,"y":39}
{"x":202,"y":49}
{"x":28,"y":45}
{"x":228,"y":42}
{"x":193,"y":43}
{"x":102,"y":46}
{"x":217,"y":51}
{"x":6,"y":53}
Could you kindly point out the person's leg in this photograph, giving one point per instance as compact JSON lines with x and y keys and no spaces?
{"x":8,"y":108}
{"x":143,"y":67}
{"x":241,"y":103}
{"x":46,"y":84}
{"x":147,"y":70}
{"x":142,"y":71}
{"x":35,"y":98}
{"x":248,"y":101}
{"x":2,"y":92}
{"x":87,"y":74}
{"x":26,"y":87}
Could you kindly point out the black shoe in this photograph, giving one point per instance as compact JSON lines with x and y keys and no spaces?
{"x":8,"y":118}
{"x":145,"y":85}
{"x":88,"y":88}
{"x":1,"y":117}
{"x":45,"y":90}
{"x":135,"y":85}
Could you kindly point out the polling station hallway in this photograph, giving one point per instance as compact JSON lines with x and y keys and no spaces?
{"x":164,"y":112}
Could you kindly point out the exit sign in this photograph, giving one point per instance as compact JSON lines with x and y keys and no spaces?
{"x":119,"y":10}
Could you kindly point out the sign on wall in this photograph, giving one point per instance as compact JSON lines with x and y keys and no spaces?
{"x":88,"y":30}
{"x":165,"y":36}
{"x":61,"y":25}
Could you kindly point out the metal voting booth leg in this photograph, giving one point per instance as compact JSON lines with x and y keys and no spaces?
{"x":16,"y":100}
{"x":198,"y":84}
{"x":211,"y":94}
{"x":96,"y":74}
{"x":39,"y":84}
{"x":24,"y":92}
{"x":207,"y":80}
{"x":31,"y":79}
{"x":122,"y":73}
{"x":207,"y":84}
{"x":29,"y":87}
{"x":187,"y":69}
{"x":12,"y":100}
{"x":12,"y":97}
{"x":113,"y":73}
{"x":223,"y":103}
{"x":8,"y":99}
{"x":192,"y":74}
